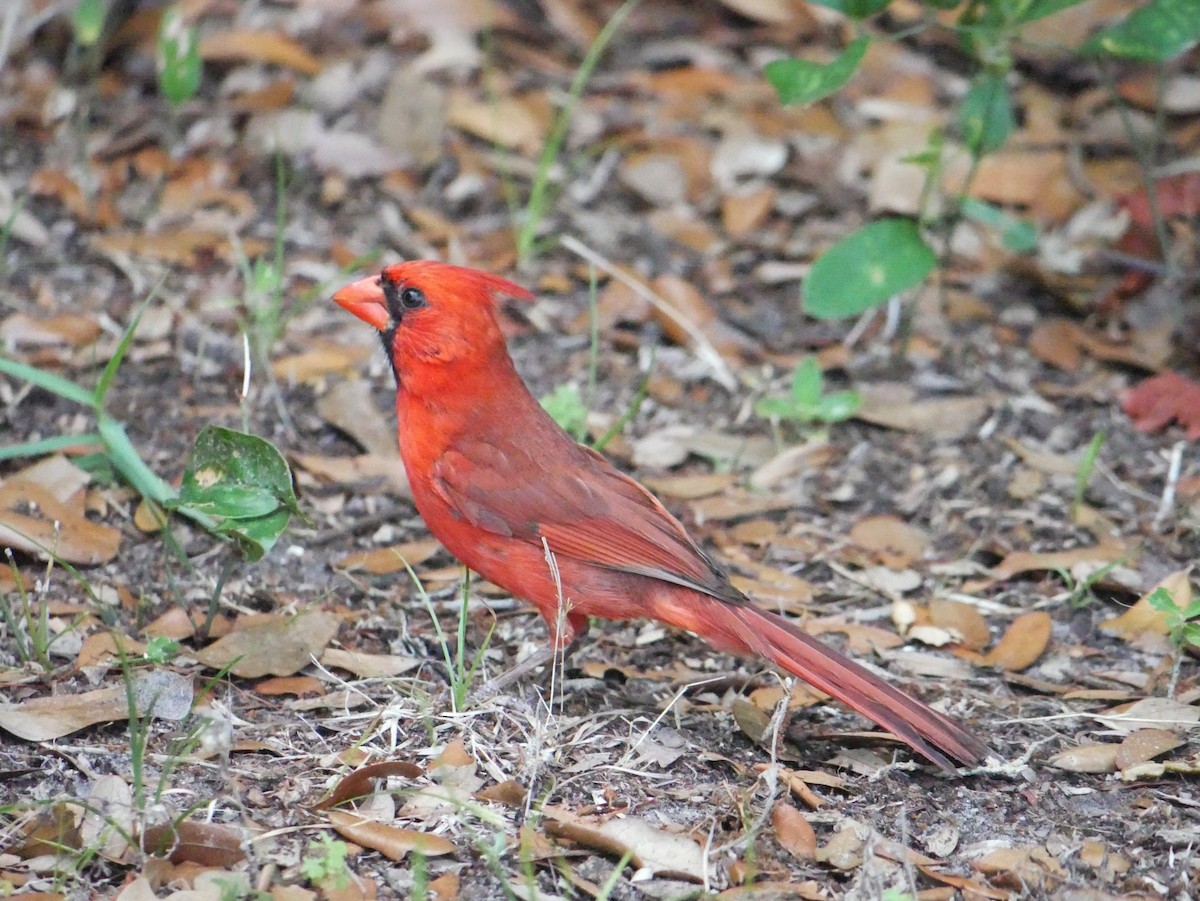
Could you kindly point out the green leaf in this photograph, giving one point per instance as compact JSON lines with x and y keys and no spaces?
{"x":799,"y":81}
{"x":88,"y":21}
{"x":775,"y":408}
{"x":855,"y":9}
{"x":566,"y":407}
{"x":1162,"y":600}
{"x":245,"y":482}
{"x":807,"y":382}
{"x":837,"y":406}
{"x":1017,"y":235}
{"x":867,"y":268}
{"x":179,"y":63}
{"x":48,"y":381}
{"x":1159,"y":31}
{"x":1190,"y":634}
{"x":986,"y":117}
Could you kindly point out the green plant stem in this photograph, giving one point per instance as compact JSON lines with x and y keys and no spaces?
{"x":535,"y":209}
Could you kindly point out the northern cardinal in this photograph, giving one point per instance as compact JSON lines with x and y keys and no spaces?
{"x":509,"y":493}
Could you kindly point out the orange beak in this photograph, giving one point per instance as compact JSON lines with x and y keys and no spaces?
{"x":364,"y":298}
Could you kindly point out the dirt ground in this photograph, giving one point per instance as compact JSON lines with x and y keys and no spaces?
{"x":943,"y":539}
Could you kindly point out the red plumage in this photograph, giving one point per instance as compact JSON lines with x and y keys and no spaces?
{"x":498,"y":481}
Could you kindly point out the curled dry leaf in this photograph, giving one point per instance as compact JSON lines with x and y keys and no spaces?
{"x":208,"y":844}
{"x":271,"y":645}
{"x":1095,"y":757}
{"x":890,"y":540}
{"x":392,"y":842}
{"x":1023,"y":642}
{"x":687,"y":303}
{"x":655,"y":850}
{"x":962,"y":621}
{"x":793,"y":831}
{"x":361,"y":782}
{"x":259,"y":46}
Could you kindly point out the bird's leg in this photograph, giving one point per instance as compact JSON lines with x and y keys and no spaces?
{"x":577,"y":628}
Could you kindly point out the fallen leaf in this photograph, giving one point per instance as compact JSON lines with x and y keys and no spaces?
{"x":895,"y":405}
{"x":161,"y":693}
{"x":259,"y":46}
{"x":271,"y":645}
{"x":321,"y":359}
{"x":208,"y":844}
{"x":1095,"y":757}
{"x":963,"y":621}
{"x":1023,"y":642}
{"x":1149,"y":713}
{"x":383,"y":560}
{"x":369,"y":666}
{"x":1145,"y":744}
{"x":1142,"y":618}
{"x":42,"y":512}
{"x":361,"y":782}
{"x":891,"y":540}
{"x":660,"y":852}
{"x":793,"y":831}
{"x":392,"y":842}
{"x":1158,"y":400}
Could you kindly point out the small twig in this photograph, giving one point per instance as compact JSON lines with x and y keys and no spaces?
{"x":703,"y":347}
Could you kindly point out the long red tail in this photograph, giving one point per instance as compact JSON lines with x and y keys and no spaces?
{"x":930,"y":733}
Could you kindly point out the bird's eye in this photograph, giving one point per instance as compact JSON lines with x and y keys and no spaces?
{"x":412,"y":299}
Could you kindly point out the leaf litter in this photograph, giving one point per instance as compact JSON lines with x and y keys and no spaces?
{"x":906,"y":536}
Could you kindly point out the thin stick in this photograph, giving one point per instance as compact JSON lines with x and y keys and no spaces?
{"x":700,"y":344}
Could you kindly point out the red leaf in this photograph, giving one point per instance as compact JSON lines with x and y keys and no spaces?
{"x":1156,"y":401}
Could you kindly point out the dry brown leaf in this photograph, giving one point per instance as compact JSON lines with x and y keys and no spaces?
{"x":793,"y":831}
{"x":73,"y":329}
{"x":261,"y":47}
{"x":208,"y":844}
{"x":663,"y":853}
{"x":369,"y":666}
{"x":1142,"y":618}
{"x":299,"y":686}
{"x":388,"y":471}
{"x":962,"y":621}
{"x":361,"y":782}
{"x":745,"y":212}
{"x":182,"y":246}
{"x":321,"y":359}
{"x":1145,"y":744}
{"x":895,"y":405}
{"x":1034,"y":561}
{"x":271,"y":645}
{"x":514,"y":122}
{"x":770,"y":12}
{"x":42,"y":512}
{"x":1024,"y":867}
{"x":1149,"y":713}
{"x":846,"y":849}
{"x":392,"y":842}
{"x":161,"y":693}
{"x":1023,"y":642}
{"x":383,"y":560}
{"x":1063,"y":343}
{"x":1095,"y":757}
{"x":890,"y":540}
{"x":689,"y":487}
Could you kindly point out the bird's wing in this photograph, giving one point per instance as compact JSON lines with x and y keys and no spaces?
{"x":581,"y":506}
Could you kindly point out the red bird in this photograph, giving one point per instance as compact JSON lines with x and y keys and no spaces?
{"x":499,"y":483}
